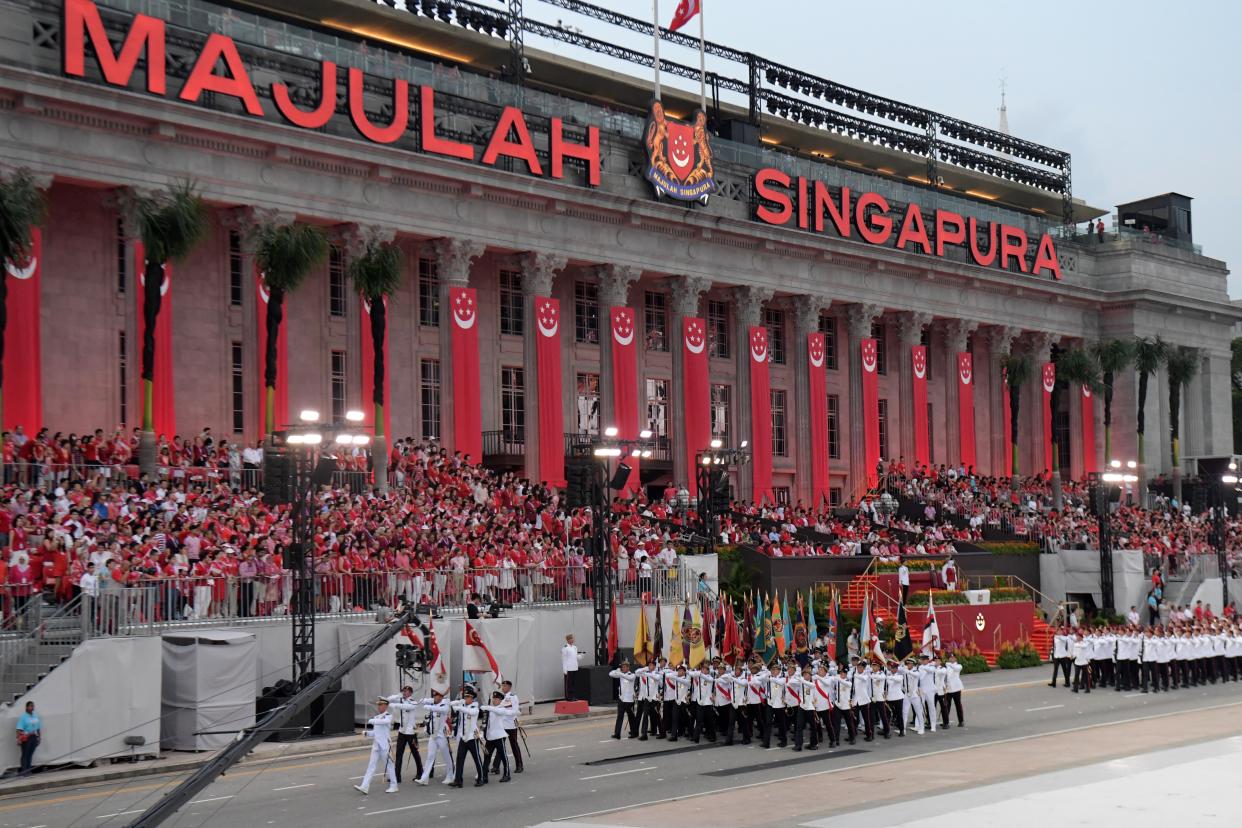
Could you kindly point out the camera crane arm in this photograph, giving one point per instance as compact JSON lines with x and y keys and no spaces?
{"x":248,"y":740}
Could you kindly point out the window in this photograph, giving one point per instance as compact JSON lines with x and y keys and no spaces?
{"x":722,"y":413}
{"x":834,"y":497}
{"x":510,"y":303}
{"x":780,"y":446}
{"x":925,"y":341}
{"x":429,"y":299}
{"x":655,"y":319}
{"x":828,"y":327}
{"x":429,"y":397}
{"x":657,"y":406}
{"x":883,"y":429}
{"x":878,"y":330}
{"x":123,"y":377}
{"x":336,"y":282}
{"x":512,"y":405}
{"x":586,"y":312}
{"x":338,"y":386}
{"x":834,"y":427}
{"x":588,"y":404}
{"x":239,"y":390}
{"x":120,"y":256}
{"x":235,"y":268}
{"x":781,"y":493}
{"x":718,"y":329}
{"x":774,"y":320}
{"x":1061,"y":434}
{"x":931,"y":444}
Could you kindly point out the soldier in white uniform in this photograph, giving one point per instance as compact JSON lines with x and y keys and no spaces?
{"x":407,"y":730}
{"x":927,"y":690}
{"x":703,"y":692}
{"x":879,"y":707}
{"x":756,"y":700}
{"x":1148,"y":656}
{"x":909,"y":673}
{"x":821,"y":691}
{"x":953,"y":688}
{"x":741,"y":691}
{"x":895,"y":697}
{"x":467,"y":710}
{"x":774,"y":715}
{"x":1082,"y":650}
{"x":380,"y":729}
{"x":1061,"y":643}
{"x":843,"y":707}
{"x":497,"y":718}
{"x":679,"y":697}
{"x":514,"y":704}
{"x":626,"y":679}
{"x":723,"y":691}
{"x":437,"y":739}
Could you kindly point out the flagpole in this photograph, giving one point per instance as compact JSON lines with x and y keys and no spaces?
{"x":655,"y":37}
{"x":702,"y":62}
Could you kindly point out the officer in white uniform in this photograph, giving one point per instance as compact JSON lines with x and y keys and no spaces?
{"x":842,"y":708}
{"x":723,"y":692}
{"x":380,"y":729}
{"x":953,"y":688}
{"x":1082,"y":650}
{"x":774,"y":715}
{"x":861,"y":680}
{"x":1061,"y":643}
{"x":927,"y":691}
{"x":895,"y":697}
{"x":437,"y":739}
{"x":514,"y":704}
{"x":821,"y":695}
{"x":407,"y":730}
{"x":626,"y":679}
{"x":498,"y":714}
{"x":912,"y":704}
{"x":467,"y":710}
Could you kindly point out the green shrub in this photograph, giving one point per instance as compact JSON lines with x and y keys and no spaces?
{"x":971,"y":659}
{"x":913,"y":564}
{"x":943,"y":597}
{"x":1018,"y":654}
{"x":1000,"y":595}
{"x":1009,"y":547}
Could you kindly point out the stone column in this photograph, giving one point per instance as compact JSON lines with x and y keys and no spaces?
{"x":806,"y":311}
{"x":614,"y":290}
{"x":687,"y":291}
{"x":1037,"y":345}
{"x":453,"y":260}
{"x":910,"y":327}
{"x":858,"y":321}
{"x":749,"y":302}
{"x":956,"y":334}
{"x":538,"y":271}
{"x":1000,"y":342}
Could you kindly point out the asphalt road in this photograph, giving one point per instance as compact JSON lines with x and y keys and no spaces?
{"x":576,"y":770}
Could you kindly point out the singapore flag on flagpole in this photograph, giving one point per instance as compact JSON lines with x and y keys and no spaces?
{"x":684,"y":13}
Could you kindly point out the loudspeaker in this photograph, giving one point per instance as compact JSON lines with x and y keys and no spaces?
{"x":299,"y":727}
{"x":742,"y":132}
{"x":324,"y":469}
{"x":619,"y":477}
{"x":334,"y":713}
{"x":578,"y":474}
{"x":594,"y":685}
{"x":277,"y":482}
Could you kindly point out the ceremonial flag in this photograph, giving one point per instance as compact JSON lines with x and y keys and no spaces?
{"x":642,"y":638}
{"x":477,"y":656}
{"x":787,"y":627}
{"x":675,"y":656}
{"x":697,"y":653}
{"x":771,"y":632}
{"x":748,"y":628}
{"x":812,"y":631}
{"x":902,"y":645}
{"x":438,"y":670}
{"x":726,"y":636}
{"x":931,"y":630}
{"x":838,"y":626}
{"x":684,"y":13}
{"x":467,"y":402}
{"x":762,"y":630}
{"x":707,"y":624}
{"x":869,"y":638}
{"x":658,"y":643}
{"x":687,"y":621}
{"x":777,"y":645}
{"x":799,"y":634}
{"x":23,"y":360}
{"x":614,"y":637}
{"x":722,"y":627}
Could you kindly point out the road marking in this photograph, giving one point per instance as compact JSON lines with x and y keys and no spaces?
{"x":212,"y":799}
{"x":407,"y":807}
{"x":295,"y":787}
{"x":606,"y":741}
{"x":1049,"y":707}
{"x":1132,"y":696}
{"x":562,"y":747}
{"x":616,"y":773}
{"x":354,"y":778}
{"x":119,"y":813}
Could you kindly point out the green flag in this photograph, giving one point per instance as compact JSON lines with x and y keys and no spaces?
{"x":762,"y":628}
{"x":788,"y":628}
{"x":811,"y":631}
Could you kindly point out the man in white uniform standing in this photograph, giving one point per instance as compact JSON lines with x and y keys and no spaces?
{"x":381,"y":730}
{"x":569,"y":666}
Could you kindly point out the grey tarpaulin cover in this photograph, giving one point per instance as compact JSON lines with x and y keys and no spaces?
{"x":209,"y":685}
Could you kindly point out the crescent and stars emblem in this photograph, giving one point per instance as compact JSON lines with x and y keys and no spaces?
{"x":623,"y":327}
{"x":980,"y":622}
{"x":964,"y":368}
{"x":869,"y":356}
{"x":815,"y":350}
{"x":142,"y":279}
{"x":759,"y":345}
{"x":1050,"y":377}
{"x":920,"y":362}
{"x":1086,"y":392}
{"x":22,"y":271}
{"x":695,"y":339}
{"x":547,"y":318}
{"x":464,"y":312}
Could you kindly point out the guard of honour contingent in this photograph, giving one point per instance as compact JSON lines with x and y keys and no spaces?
{"x":1131,"y":657}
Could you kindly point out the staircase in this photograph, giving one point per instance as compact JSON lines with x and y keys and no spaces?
{"x":27,"y":655}
{"x":856,"y":592}
{"x":1041,"y":638}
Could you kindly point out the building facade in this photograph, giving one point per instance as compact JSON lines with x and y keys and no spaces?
{"x":83,"y":105}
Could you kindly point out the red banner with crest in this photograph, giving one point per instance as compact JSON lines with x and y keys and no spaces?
{"x":368,"y":370}
{"x":918,"y":396}
{"x":282,"y":359}
{"x":467,"y":404}
{"x":871,"y":409}
{"x":966,"y":408}
{"x":817,"y":387}
{"x":1005,"y":415}
{"x":163,"y":410}
{"x":1089,"y":462}
{"x":698,"y":394}
{"x":760,"y":415}
{"x":23,"y":358}
{"x":551,"y":405}
{"x":625,"y":383}
{"x":1048,"y":379}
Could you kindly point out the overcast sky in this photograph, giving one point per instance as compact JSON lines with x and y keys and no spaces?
{"x":1143,"y":95}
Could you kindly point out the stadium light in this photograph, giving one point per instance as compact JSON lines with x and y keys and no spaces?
{"x":354,"y":415}
{"x":611,"y":431}
{"x":645,"y":434}
{"x":717,"y":443}
{"x":312,"y":439}
{"x":361,"y":439}
{"x":295,"y":440}
{"x":344,"y":439}
{"x":309,"y":415}
{"x":1230,"y":479}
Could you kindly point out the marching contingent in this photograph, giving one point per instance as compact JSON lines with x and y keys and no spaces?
{"x":1132,"y":657}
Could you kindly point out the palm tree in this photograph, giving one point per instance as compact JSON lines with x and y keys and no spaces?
{"x":170,"y":224}
{"x":1074,"y":367}
{"x":22,"y":207}
{"x":376,"y":273}
{"x":1018,"y":369}
{"x":1181,"y":365}
{"x":285,"y":254}
{"x":1148,"y":355}
{"x":1112,"y":355}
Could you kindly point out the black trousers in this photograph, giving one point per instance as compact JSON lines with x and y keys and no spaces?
{"x":758,"y":724}
{"x":668,"y":718}
{"x":647,"y":718}
{"x":879,"y":715}
{"x":569,"y":687}
{"x":847,"y":716}
{"x":802,"y":720}
{"x":1082,"y":677}
{"x":868,"y":720}
{"x":724,"y":722}
{"x":469,"y":747}
{"x":625,"y":710}
{"x":954,"y":698}
{"x":774,"y":724}
{"x":704,"y":722}
{"x":512,"y":736}
{"x":895,"y":715}
{"x":1151,"y":676}
{"x":410,"y":739}
{"x":830,"y":727}
{"x":1058,"y":665}
{"x":28,"y":749}
{"x":676,"y":720}
{"x":496,"y":749}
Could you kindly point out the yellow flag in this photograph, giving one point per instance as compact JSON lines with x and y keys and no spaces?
{"x":642,"y":639}
{"x":675,"y":655}
{"x":695,"y":634}
{"x":778,"y":626}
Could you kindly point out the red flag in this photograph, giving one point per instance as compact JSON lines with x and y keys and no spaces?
{"x":1048,"y":378}
{"x":966,"y":407}
{"x":625,"y":384}
{"x":830,"y":634}
{"x":1005,"y":416}
{"x":163,"y":410}
{"x":477,"y":650}
{"x":697,"y":393}
{"x":918,"y":359}
{"x":282,"y":358}
{"x":437,"y":669}
{"x":23,"y":370}
{"x":761,"y":415}
{"x":1089,"y":463}
{"x":368,"y":373}
{"x":551,"y":408}
{"x":871,"y":409}
{"x":817,"y":384}
{"x":467,"y":410}
{"x":684,"y":13}
{"x":614,"y":637}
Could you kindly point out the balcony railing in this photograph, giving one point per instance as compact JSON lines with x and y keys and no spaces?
{"x":504,"y":443}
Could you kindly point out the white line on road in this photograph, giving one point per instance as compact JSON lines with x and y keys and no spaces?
{"x":119,"y":813}
{"x":212,"y":799}
{"x":616,"y":773}
{"x":407,"y":807}
{"x":606,"y":741}
{"x":295,"y":787}
{"x":1049,"y":707}
{"x":561,"y":747}
{"x":1132,"y":696}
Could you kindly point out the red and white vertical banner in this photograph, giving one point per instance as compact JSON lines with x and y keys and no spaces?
{"x":1006,"y":415}
{"x":1048,"y":378}
{"x":467,"y":404}
{"x":871,"y":409}
{"x":918,"y":362}
{"x":282,"y":358}
{"x":23,"y":368}
{"x":164,"y":412}
{"x":966,"y":408}
{"x":625,"y":384}
{"x":817,"y":388}
{"x":697,"y":392}
{"x":368,"y":371}
{"x":760,"y":415}
{"x":551,"y":405}
{"x":1089,"y":462}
